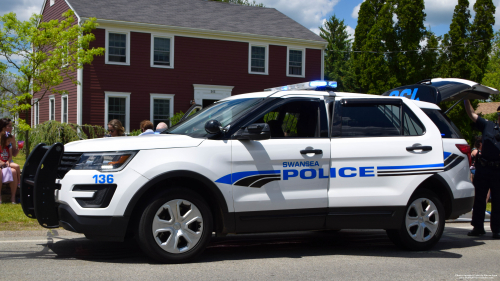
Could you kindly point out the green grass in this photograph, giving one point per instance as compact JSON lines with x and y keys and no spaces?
{"x":20,"y":159}
{"x":13,"y":218}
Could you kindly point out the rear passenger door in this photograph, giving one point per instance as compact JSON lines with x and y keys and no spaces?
{"x":382,"y":149}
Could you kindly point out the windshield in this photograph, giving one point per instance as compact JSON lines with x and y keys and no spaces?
{"x":225,"y":112}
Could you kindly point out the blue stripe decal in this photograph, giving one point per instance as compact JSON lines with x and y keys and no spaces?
{"x":446,"y":154}
{"x":237,"y":176}
{"x":410,"y":167}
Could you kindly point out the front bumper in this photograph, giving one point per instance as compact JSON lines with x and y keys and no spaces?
{"x":101,"y":228}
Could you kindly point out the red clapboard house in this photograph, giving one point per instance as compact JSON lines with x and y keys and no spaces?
{"x":163,"y":54}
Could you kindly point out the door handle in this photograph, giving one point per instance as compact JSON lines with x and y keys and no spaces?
{"x":423,"y":148}
{"x":315,"y":151}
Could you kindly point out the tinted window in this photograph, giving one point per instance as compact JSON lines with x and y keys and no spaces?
{"x":371,"y":120}
{"x":411,"y":124}
{"x":297,"y":119}
{"x":444,"y":124}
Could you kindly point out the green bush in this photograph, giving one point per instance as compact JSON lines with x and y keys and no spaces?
{"x":51,"y":132}
{"x":176,"y":118}
{"x":135,"y":132}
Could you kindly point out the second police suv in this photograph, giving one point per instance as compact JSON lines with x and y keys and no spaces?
{"x":299,"y":157}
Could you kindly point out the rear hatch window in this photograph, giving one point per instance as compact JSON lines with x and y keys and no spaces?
{"x":446,"y":127}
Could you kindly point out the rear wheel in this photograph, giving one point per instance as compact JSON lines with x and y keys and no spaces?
{"x":423,"y":223}
{"x":176,"y":227}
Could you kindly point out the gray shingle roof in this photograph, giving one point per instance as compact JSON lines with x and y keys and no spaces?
{"x":198,"y":14}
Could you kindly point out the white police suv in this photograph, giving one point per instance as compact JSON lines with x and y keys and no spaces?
{"x":299,"y":157}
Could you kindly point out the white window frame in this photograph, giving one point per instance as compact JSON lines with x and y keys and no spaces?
{"x":288,"y":49}
{"x":36,"y":112}
{"x":169,"y":36}
{"x":161,"y":97}
{"x":127,"y":59}
{"x":52,"y":2}
{"x":52,"y":99}
{"x":250,"y":45}
{"x":108,"y":95}
{"x":63,"y":97}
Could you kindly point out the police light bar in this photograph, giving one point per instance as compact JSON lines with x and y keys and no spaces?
{"x":313,"y":85}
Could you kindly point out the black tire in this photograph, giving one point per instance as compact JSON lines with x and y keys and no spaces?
{"x":172,"y":242}
{"x":421,"y":233}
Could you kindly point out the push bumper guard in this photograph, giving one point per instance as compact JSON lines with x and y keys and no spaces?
{"x":38,"y":184}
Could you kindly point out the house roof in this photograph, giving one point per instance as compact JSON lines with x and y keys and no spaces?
{"x":197,"y":14}
{"x":487,"y":107}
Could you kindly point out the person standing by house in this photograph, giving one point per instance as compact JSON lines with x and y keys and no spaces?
{"x":162,"y":126}
{"x":146,"y":128}
{"x":487,"y":176}
{"x":115,"y":128}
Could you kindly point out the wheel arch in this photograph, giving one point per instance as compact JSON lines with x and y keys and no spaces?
{"x":441,"y":188}
{"x":223,"y":220}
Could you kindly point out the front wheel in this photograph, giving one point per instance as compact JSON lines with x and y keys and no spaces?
{"x":423,"y":223}
{"x":176,"y":227}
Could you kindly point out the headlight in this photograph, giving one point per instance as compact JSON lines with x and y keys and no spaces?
{"x":105,"y":161}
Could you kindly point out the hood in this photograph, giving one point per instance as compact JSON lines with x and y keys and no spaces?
{"x":443,"y":89}
{"x":133,"y":143}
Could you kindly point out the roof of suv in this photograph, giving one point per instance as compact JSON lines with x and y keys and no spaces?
{"x":279,"y":94}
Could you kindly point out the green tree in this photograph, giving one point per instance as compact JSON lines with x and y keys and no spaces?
{"x":378,"y":61}
{"x":411,"y":32}
{"x":456,"y":51}
{"x":492,"y":73}
{"x":367,"y":17}
{"x":242,"y":2}
{"x":335,"y":33}
{"x":49,"y":52}
{"x":481,"y":30}
{"x":430,"y":56}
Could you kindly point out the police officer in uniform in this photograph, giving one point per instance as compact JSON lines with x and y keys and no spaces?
{"x":487,"y":174}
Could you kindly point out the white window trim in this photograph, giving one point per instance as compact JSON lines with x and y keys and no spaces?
{"x":161,"y":97}
{"x":211,"y":92}
{"x":303,"y":61}
{"x":108,"y":95}
{"x":52,"y":98}
{"x":36,"y":112}
{"x":250,"y":45}
{"x":127,"y":61}
{"x":52,"y":2}
{"x":62,"y":108}
{"x":171,"y":37}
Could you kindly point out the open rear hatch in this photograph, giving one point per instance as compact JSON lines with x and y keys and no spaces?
{"x":443,"y":89}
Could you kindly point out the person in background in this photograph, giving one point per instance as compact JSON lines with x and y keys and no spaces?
{"x":5,"y":158}
{"x":12,"y":143}
{"x":487,"y":176}
{"x":146,"y":128}
{"x":476,"y":152}
{"x":162,"y":126}
{"x":115,"y":129}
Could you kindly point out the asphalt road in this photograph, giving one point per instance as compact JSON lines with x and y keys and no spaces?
{"x":345,"y":255}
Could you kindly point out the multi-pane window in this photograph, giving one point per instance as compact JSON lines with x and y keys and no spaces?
{"x":295,"y":62}
{"x":258,"y":63}
{"x":52,"y":104}
{"x":117,"y":109}
{"x":161,"y":111}
{"x":117,"y":47}
{"x":64,"y":113}
{"x":161,"y":51}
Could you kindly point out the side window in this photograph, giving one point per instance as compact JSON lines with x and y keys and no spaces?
{"x":297,"y":119}
{"x":411,"y":124}
{"x":446,"y":127}
{"x":370,"y":120}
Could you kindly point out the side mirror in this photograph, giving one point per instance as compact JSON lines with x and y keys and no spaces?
{"x":257,"y":131}
{"x":213,"y":127}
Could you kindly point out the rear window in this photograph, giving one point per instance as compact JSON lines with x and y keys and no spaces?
{"x":446,"y":127}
